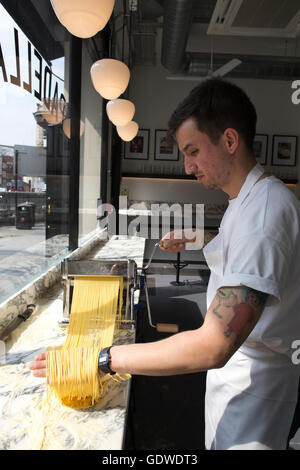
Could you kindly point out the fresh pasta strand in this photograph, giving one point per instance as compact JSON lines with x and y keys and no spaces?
{"x":72,"y":369}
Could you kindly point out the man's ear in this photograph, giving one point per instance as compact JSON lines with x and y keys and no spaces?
{"x":231,"y":140}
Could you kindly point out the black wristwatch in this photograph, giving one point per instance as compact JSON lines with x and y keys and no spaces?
{"x":104,"y":360}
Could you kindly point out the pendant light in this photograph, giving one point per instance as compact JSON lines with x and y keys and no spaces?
{"x":55,"y":112}
{"x":110,"y":77}
{"x":129,"y":131}
{"x":66,"y":125}
{"x":83,"y":18}
{"x":120,"y":111}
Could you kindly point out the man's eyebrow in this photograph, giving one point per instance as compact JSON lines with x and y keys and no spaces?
{"x":187,"y":146}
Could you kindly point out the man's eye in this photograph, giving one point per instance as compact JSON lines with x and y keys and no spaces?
{"x":194,"y":152}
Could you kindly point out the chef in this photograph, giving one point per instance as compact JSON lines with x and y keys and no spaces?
{"x":253,"y":295}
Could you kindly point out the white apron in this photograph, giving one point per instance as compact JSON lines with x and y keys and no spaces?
{"x":235,"y":419}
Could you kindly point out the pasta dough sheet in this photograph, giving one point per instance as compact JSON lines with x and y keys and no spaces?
{"x":72,"y":369}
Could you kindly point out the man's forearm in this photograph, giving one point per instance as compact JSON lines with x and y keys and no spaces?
{"x":183,"y":353}
{"x":231,"y":317}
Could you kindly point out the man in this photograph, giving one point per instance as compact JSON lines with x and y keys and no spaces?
{"x":252,"y":319}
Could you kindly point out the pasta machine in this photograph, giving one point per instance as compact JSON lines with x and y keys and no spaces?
{"x":72,"y":268}
{"x":134,"y":279}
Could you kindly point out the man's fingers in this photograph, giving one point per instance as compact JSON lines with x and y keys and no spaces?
{"x":177,"y":247}
{"x":173,"y":247}
{"x":40,"y":357}
{"x":37,"y":365}
{"x":175,"y":241}
{"x":39,"y":373}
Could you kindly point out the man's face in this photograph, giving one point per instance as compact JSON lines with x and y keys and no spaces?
{"x":208,"y":162}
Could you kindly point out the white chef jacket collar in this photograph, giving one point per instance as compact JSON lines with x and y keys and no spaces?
{"x":250,"y":181}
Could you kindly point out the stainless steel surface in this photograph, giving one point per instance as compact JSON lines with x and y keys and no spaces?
{"x":70,"y":269}
{"x":132,"y":277}
{"x":95,"y":267}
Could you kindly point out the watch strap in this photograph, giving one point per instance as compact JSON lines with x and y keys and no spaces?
{"x":104,"y":360}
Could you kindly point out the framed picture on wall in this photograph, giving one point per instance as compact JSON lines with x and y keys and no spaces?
{"x":260,"y":148}
{"x":284,"y":150}
{"x":138,"y":148}
{"x":163,"y":150}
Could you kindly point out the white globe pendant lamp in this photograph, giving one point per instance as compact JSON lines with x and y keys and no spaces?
{"x":83,"y":18}
{"x":110,"y":77}
{"x":66,"y":125}
{"x":129,"y":131}
{"x":53,"y":111}
{"x":120,"y":111}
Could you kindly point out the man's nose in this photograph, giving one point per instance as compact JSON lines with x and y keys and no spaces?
{"x":189,"y":166}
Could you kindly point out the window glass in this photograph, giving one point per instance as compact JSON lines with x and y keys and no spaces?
{"x":34,"y":148}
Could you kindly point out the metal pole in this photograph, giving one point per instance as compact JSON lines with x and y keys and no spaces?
{"x":75,"y":99}
{"x":16,"y":182}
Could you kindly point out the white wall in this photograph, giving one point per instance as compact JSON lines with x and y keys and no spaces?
{"x":90,"y":150}
{"x":155,"y":98}
{"x":163,"y":190}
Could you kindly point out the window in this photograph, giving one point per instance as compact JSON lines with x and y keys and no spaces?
{"x":38,"y":217}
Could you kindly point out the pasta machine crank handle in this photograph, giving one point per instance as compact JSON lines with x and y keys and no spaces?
{"x":160,"y":327}
{"x":151,"y":256}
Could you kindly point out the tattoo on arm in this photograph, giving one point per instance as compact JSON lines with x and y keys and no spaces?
{"x":238,"y":307}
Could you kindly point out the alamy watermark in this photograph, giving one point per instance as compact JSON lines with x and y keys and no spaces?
{"x":296,"y":353}
{"x":296,"y":100}
{"x":153,"y":222}
{"x":296,"y":94}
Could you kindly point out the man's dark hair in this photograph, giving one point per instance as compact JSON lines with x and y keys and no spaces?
{"x":216,"y":105}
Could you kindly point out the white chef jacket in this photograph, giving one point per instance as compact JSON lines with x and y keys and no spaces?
{"x":250,"y":402}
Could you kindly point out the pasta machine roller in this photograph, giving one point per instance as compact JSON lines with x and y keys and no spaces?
{"x":72,"y":268}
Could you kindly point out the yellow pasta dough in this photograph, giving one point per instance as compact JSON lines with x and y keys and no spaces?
{"x":72,"y":369}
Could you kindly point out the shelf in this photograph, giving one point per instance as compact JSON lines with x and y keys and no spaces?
{"x":186,"y":177}
{"x":168,"y":177}
{"x":291,"y":181}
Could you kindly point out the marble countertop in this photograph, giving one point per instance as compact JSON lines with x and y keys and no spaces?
{"x":28,"y":420}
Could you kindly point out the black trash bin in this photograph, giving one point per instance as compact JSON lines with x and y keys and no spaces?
{"x":32,"y":206}
{"x":24,"y":218}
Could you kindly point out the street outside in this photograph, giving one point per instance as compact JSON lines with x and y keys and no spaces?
{"x":13,"y":241}
{"x":22,"y":255}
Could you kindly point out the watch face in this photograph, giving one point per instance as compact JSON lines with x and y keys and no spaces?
{"x":103,"y":361}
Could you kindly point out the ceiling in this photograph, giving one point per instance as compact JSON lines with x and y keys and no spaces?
{"x":251,"y":22}
{"x":178,"y":34}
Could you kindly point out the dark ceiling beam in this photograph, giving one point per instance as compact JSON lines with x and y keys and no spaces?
{"x":33,"y":23}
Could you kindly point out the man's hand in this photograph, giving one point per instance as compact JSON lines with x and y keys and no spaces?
{"x":38,"y":366}
{"x":176,"y":241}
